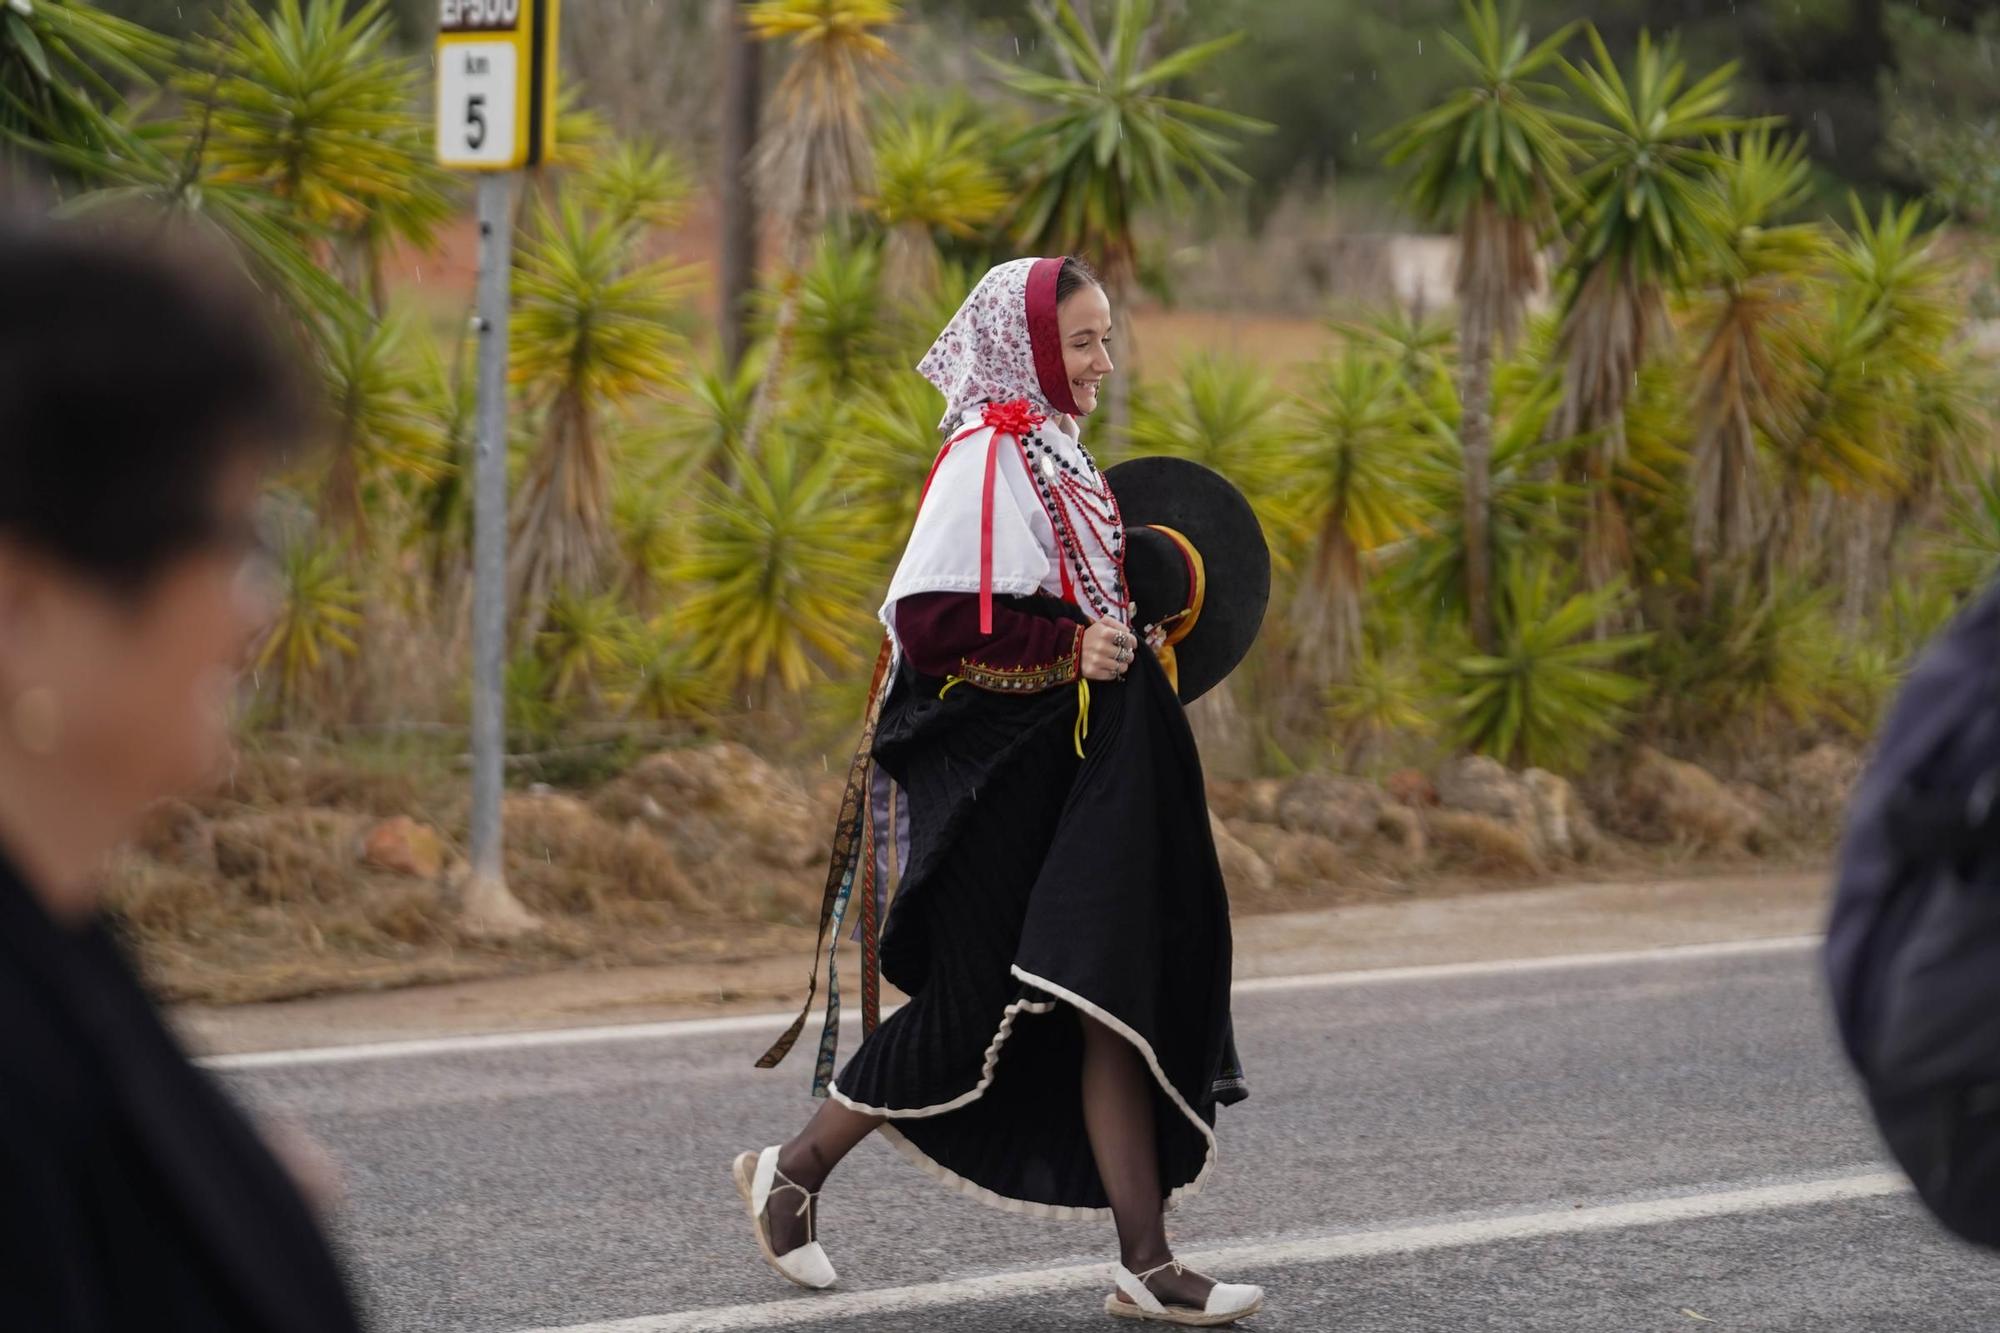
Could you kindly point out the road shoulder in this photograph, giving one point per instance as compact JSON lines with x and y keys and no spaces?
{"x":1556,"y":920}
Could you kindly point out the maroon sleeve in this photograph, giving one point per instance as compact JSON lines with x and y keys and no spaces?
{"x":940,"y":635}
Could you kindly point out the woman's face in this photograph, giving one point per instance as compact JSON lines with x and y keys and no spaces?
{"x":139,"y":682}
{"x":1085,"y":323}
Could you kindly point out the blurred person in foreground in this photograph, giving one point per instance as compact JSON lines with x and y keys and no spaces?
{"x":143,"y":395}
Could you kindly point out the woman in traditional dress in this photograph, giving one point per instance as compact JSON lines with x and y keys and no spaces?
{"x":1061,"y":926}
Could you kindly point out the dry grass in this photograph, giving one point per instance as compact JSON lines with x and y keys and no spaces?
{"x":259,"y":890}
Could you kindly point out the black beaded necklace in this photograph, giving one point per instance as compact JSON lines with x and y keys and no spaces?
{"x":1070,"y":493}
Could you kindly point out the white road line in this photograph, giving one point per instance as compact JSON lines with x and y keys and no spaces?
{"x":761,"y":1023}
{"x":1236,"y":1258}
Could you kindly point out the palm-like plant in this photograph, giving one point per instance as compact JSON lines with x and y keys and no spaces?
{"x":1114,"y":141}
{"x":637,"y":183}
{"x":1354,"y":484}
{"x":707,"y":422}
{"x":648,"y":525}
{"x":1491,"y":162}
{"x":590,"y":334}
{"x":1417,"y":341}
{"x":1866,"y":358}
{"x":1383,"y":698}
{"x":319,"y":608}
{"x":381,"y":420}
{"x":779,"y":566}
{"x":1643,"y":214}
{"x":1745,"y":382}
{"x":1226,"y":414}
{"x":313,"y":107}
{"x":162,"y":168}
{"x":665,"y":680}
{"x":585,"y":641}
{"x":891,"y":441}
{"x":1551,"y":690}
{"x":933,"y":176}
{"x":1763,"y":659}
{"x":58,"y":60}
{"x":836,"y":336}
{"x":1528,"y":506}
{"x":814,"y":160}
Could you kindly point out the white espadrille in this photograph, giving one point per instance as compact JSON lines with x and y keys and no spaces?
{"x":757,"y":1179}
{"x":1227,"y":1301}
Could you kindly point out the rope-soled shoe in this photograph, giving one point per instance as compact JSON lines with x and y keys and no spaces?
{"x":757,"y":1179}
{"x":1227,"y":1301}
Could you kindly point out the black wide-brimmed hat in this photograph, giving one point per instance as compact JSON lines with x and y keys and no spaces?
{"x":1194,"y":550}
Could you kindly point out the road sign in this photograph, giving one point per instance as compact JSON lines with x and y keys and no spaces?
{"x":496,"y":87}
{"x":496,"y":113}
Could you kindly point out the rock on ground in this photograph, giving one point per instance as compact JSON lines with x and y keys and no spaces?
{"x":1243,"y":870}
{"x":1358,"y":816}
{"x":1669,"y":800}
{"x":1482,"y":844}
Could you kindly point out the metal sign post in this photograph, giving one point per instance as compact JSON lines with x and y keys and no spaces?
{"x":495,"y":115}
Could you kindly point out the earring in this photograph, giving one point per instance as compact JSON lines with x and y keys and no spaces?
{"x":36,"y":719}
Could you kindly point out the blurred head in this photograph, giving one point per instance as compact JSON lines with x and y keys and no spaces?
{"x":1083,"y":318}
{"x":144,"y":393}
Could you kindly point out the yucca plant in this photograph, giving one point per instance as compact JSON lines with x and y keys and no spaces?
{"x":319,"y":611}
{"x":1552,"y":689}
{"x":780,"y":569}
{"x":1529,"y":507}
{"x":934,"y":175}
{"x":637,"y":183}
{"x":664,"y":679}
{"x":891,"y":442}
{"x":1384,"y":698}
{"x":1969,"y":557}
{"x":649,"y":524}
{"x":814,"y":159}
{"x":1745,"y":378}
{"x":1878,"y":338}
{"x":591,"y":333}
{"x":837,"y":330}
{"x":1359,"y":436}
{"x":1114,"y":140}
{"x":1764,"y":661}
{"x":313,"y":106}
{"x":585,"y":641}
{"x":1225,"y":413}
{"x":161,"y":169}
{"x":381,"y":421}
{"x":1643,"y":214}
{"x":441,"y":508}
{"x":710,"y":416}
{"x":1416,"y":341}
{"x":1491,"y":164}
{"x":61,"y":66}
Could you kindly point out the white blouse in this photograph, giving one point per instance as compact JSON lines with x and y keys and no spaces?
{"x":1061,"y":517}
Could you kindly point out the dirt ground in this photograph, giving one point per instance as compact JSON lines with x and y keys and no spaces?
{"x":768,"y":973}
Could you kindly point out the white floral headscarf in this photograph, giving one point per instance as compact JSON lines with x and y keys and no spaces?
{"x":987,"y":353}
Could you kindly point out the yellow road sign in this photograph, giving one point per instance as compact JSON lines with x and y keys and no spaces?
{"x":496,"y":88}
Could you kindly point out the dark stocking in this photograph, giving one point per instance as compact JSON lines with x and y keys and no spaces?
{"x":806,"y":1161}
{"x":1118,"y":1114}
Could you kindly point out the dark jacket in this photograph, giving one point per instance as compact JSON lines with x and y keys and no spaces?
{"x":133,"y":1194}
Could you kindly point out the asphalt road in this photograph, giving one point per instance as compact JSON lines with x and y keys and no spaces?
{"x":1667,"y":1143}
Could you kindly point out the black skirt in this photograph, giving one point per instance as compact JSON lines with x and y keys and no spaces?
{"x":1041,"y":886}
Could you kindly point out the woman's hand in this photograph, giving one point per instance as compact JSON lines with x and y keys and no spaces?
{"x":1108,"y":650}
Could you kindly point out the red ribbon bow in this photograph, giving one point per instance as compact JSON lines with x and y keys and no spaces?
{"x":1017,"y":418}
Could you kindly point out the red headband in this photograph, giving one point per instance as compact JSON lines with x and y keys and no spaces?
{"x":1045,"y":336}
